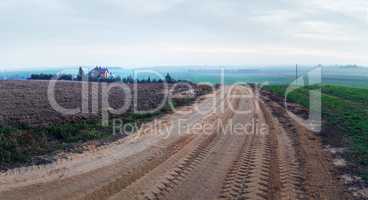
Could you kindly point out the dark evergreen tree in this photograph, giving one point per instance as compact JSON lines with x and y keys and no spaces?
{"x":67,"y":77}
{"x":81,"y":74}
{"x":169,"y":79}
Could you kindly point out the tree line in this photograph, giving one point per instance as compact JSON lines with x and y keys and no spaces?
{"x":83,"y":76}
{"x":43,"y":76}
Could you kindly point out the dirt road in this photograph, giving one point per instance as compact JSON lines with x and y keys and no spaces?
{"x":233,"y":147}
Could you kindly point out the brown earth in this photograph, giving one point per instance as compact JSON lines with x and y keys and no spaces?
{"x":220,"y":153}
{"x":27,"y":102}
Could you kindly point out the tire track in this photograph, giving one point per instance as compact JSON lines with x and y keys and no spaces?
{"x":194,"y":160}
{"x":289,"y":181}
{"x":177,"y":173}
{"x":249,"y":176}
{"x":316,"y":172}
{"x":266,"y":167}
{"x":132,"y":175}
{"x":114,"y":188}
{"x":239,"y":172}
{"x":290,"y":177}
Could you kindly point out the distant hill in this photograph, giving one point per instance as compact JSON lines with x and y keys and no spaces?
{"x":350,"y":67}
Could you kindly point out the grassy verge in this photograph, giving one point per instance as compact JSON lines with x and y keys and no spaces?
{"x":20,"y":144}
{"x":344,"y":111}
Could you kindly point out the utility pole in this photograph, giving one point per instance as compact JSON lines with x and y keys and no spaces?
{"x":296,"y":74}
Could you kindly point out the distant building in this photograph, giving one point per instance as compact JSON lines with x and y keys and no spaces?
{"x":99,"y":73}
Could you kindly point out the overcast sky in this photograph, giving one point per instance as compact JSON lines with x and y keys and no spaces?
{"x":192,"y":32}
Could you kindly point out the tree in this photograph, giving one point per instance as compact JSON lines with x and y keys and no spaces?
{"x":81,"y":76}
{"x":67,"y":77}
{"x":118,"y":79}
{"x":169,"y":79}
{"x":41,"y":76}
{"x":128,"y":79}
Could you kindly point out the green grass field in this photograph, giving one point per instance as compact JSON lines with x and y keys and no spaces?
{"x":344,"y":112}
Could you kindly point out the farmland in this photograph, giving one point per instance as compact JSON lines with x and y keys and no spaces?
{"x":345,"y":120}
{"x":31,"y":128}
{"x":207,"y":153}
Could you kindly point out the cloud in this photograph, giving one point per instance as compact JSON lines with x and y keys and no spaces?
{"x":121,"y":32}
